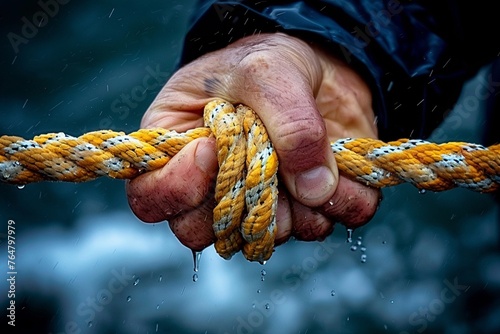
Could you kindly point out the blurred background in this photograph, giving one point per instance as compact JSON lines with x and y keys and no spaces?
{"x":427,"y":263}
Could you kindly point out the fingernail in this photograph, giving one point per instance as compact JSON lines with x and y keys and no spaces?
{"x":205,"y":159}
{"x":315,"y":185}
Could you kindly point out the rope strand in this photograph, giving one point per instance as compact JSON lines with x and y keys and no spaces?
{"x":246,"y":191}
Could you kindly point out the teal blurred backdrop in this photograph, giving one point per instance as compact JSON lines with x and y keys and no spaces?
{"x":427,"y":263}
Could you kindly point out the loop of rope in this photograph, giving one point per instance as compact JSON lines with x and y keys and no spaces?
{"x":246,"y":184}
{"x":247,"y":187}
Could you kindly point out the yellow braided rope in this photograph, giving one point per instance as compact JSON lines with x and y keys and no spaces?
{"x":247,"y":186}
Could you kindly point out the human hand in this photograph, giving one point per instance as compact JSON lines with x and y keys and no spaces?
{"x":305,"y":98}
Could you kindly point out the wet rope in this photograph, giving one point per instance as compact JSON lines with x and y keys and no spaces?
{"x":247,"y":187}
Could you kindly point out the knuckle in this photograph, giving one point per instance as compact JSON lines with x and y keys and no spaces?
{"x":308,"y":224}
{"x":301,"y":144}
{"x":353,"y":204}
{"x":301,"y":133}
{"x":153,"y":209}
{"x":254,"y":60}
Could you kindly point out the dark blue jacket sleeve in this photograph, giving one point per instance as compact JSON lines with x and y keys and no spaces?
{"x":415,"y":55}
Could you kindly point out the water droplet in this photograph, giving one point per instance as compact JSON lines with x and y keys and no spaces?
{"x":384,"y":242}
{"x":137,"y":281}
{"x":363,"y":249}
{"x":156,"y":327}
{"x":129,"y":299}
{"x":21,"y":186}
{"x":359,"y":243}
{"x":363,"y":258}
{"x":333,"y":293}
{"x":392,"y":301}
{"x":349,"y":235}
{"x":253,"y":305}
{"x":262,"y":275}
{"x":421,"y":191}
{"x":258,"y":290}
{"x":263,"y":262}
{"x":354,"y":248}
{"x":160,"y":278}
{"x":90,"y":324}
{"x":158,"y":306}
{"x":195,"y":277}
{"x":196,"y":260}
{"x":267,"y":306}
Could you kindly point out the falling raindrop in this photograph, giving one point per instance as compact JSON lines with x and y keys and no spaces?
{"x":158,"y":306}
{"x":333,"y":293}
{"x":160,"y":278}
{"x":421,"y":191}
{"x":354,"y":248}
{"x":267,"y":306}
{"x":137,"y":281}
{"x":90,"y":324}
{"x":129,"y":298}
{"x":363,"y":258}
{"x":349,"y":235}
{"x":363,"y":249}
{"x":195,"y":277}
{"x":196,"y":260}
{"x":263,"y":275}
{"x":258,"y":290}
